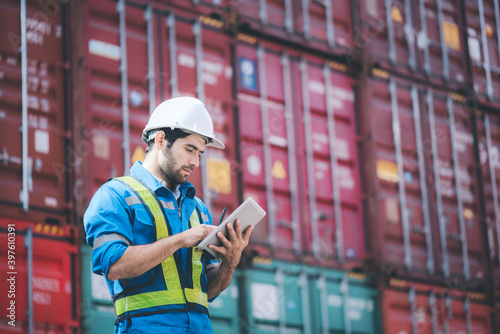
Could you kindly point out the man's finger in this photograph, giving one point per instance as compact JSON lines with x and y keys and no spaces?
{"x":237,"y":227}
{"x":248,"y":232}
{"x":223,"y":239}
{"x":232,"y":233}
{"x":220,"y":250}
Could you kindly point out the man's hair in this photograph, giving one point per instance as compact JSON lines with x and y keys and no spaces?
{"x":170,"y":136}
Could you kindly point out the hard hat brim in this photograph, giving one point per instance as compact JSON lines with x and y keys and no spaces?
{"x":216,"y":143}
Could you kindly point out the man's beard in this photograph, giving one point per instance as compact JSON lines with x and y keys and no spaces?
{"x":170,"y":171}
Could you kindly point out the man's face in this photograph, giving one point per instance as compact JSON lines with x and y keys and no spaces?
{"x":179,"y":161}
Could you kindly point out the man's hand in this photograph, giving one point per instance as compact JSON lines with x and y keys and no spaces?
{"x":195,"y":235}
{"x":230,"y":251}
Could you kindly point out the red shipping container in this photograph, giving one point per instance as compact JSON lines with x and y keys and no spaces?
{"x":54,"y":291}
{"x":322,"y":25}
{"x":300,"y":159}
{"x":483,"y":20}
{"x":331,"y":163}
{"x":45,"y":186}
{"x":422,"y":39}
{"x":138,"y":55}
{"x":424,"y":201}
{"x":488,"y":128}
{"x":421,"y":308}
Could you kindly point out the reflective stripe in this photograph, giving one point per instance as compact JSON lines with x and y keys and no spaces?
{"x":159,"y":298}
{"x":196,"y":296}
{"x":168,"y":205}
{"x":131,"y":200}
{"x":149,"y":299}
{"x":197,"y":265}
{"x":204,"y":217}
{"x":174,"y":293}
{"x":168,"y":265}
{"x":109,"y":237}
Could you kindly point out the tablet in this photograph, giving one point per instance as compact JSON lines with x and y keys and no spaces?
{"x":249,"y":213}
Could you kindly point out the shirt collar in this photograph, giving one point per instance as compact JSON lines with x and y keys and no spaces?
{"x":156,"y":183}
{"x":176,"y":193}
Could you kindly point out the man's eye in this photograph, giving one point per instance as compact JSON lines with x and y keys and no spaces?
{"x":189,"y":150}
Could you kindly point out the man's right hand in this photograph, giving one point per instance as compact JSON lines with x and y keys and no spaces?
{"x":195,"y":235}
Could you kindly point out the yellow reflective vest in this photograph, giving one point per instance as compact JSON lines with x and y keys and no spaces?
{"x":128,"y":303}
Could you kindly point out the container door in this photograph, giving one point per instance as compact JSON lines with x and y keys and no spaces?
{"x":34,"y":170}
{"x":406,"y":235}
{"x":97,"y":311}
{"x":224,"y":309}
{"x":461,"y":247}
{"x":441,"y":40}
{"x":327,"y":22}
{"x":267,"y":148}
{"x":489,"y":153}
{"x":117,"y":89}
{"x":483,"y":20}
{"x":44,"y":284}
{"x":330,"y":182}
{"x":343,"y":303}
{"x":275,"y":299}
{"x":130,"y":72}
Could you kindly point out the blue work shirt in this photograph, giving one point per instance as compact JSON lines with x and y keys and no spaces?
{"x":116,"y":219}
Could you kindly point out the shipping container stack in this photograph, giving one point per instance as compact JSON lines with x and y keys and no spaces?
{"x":368,"y":130}
{"x":483,"y":20}
{"x":38,"y":239}
{"x":427,"y":193}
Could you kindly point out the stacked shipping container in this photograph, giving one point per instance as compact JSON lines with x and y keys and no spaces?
{"x":38,"y":243}
{"x":345,"y":120}
{"x":425,"y":192}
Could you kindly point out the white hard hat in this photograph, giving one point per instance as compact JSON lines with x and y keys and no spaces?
{"x":183,"y":113}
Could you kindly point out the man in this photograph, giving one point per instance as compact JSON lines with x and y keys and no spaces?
{"x":144,"y":229}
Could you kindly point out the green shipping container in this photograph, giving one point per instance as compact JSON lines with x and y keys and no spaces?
{"x":294,"y":298}
{"x":97,"y":308}
{"x":224,"y":309}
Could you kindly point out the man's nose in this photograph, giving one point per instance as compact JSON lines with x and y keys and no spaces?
{"x":195,"y":160}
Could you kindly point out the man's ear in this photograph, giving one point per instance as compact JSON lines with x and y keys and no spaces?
{"x":159,"y":139}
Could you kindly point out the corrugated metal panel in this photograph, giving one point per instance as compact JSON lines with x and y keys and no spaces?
{"x":483,"y":25}
{"x":105,"y":113}
{"x":224,"y":311}
{"x":97,"y":312}
{"x":164,"y":54}
{"x":40,"y":268}
{"x":289,"y":297}
{"x":418,"y":308}
{"x":422,"y":39}
{"x":426,"y":221}
{"x":330,"y":173}
{"x":43,"y":173}
{"x":268,"y":158}
{"x":322,"y":25}
{"x":460,"y":231}
{"x":300,"y":155}
{"x":489,"y":152}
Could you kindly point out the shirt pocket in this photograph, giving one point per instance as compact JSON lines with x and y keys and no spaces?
{"x":144,"y":229}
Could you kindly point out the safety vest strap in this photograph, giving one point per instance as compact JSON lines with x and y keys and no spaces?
{"x":174,"y":293}
{"x":196,"y":259}
{"x":168,"y":265}
{"x":148,"y":299}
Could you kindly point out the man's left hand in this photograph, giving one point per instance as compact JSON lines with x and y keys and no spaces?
{"x":230,"y":251}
